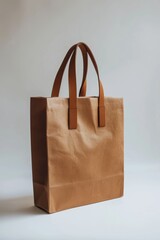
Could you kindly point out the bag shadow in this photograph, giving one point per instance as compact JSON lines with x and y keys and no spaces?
{"x":19,"y":206}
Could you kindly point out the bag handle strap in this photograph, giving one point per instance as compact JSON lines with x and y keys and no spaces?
{"x":73,"y":95}
{"x":59,"y":75}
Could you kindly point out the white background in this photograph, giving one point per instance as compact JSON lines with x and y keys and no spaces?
{"x":125,"y":38}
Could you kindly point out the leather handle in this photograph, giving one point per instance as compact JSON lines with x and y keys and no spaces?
{"x":59,"y":75}
{"x":73,"y":95}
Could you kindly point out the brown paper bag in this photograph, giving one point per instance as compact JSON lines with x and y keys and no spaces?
{"x":77,"y":143}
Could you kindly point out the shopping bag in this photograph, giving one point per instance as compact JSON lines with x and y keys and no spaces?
{"x":77,"y":143}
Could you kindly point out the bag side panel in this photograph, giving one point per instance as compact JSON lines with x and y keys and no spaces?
{"x":39,"y":152}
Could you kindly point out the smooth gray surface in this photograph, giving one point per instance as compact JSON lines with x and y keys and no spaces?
{"x":125,"y":38}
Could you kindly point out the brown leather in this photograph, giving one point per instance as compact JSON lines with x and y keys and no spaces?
{"x":73,"y":95}
{"x":59,"y":75}
{"x":76,"y":167}
{"x":72,"y":115}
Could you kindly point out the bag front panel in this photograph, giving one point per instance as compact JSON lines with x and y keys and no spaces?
{"x":88,"y":153}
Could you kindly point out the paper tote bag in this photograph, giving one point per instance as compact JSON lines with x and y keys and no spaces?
{"x":77,"y":142}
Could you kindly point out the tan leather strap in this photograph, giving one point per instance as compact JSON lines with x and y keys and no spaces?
{"x":58,"y":78}
{"x":73,"y":95}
